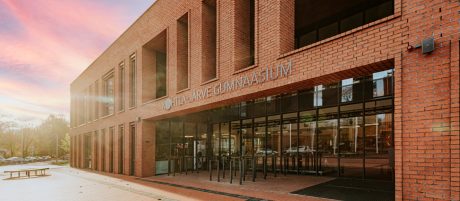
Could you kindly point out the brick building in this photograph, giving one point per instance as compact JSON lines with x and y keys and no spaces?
{"x":338,"y":88}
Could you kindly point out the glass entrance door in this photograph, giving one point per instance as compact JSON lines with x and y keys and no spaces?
{"x":341,"y":129}
{"x":379,"y":149}
{"x":351,"y":140}
{"x":327,"y":141}
{"x":247,"y":146}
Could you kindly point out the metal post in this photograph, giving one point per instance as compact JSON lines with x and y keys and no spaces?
{"x":223,"y":167}
{"x":241,"y":171}
{"x":253,"y":169}
{"x":210,"y":169}
{"x":218,"y":169}
{"x":231,"y":170}
{"x":264,"y":163}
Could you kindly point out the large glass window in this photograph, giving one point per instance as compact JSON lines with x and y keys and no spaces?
{"x":351,"y":140}
{"x":190,"y":137}
{"x":259,"y":135}
{"x":273,"y":135}
{"x":103,"y":147}
{"x":273,"y":105}
{"x":132,"y":81}
{"x":290,"y":140}
{"x":235,"y":139}
{"x":307,"y":141}
{"x":318,"y":96}
{"x":319,"y":20}
{"x":109,"y":95}
{"x":247,"y":146}
{"x":121,"y":148}
{"x":111,"y":148}
{"x":215,"y":140}
{"x":162,"y":144}
{"x":121,"y":85}
{"x":289,"y":102}
{"x":202,"y":142}
{"x":328,"y":140}
{"x":379,"y":147}
{"x":382,"y":83}
{"x":177,"y":146}
{"x":227,"y":141}
{"x":331,"y":130}
{"x":347,"y":90}
{"x":132,"y":152}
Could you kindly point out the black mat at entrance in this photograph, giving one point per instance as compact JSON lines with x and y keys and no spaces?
{"x":352,"y":189}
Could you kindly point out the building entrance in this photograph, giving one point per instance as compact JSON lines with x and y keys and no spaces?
{"x":340,"y":129}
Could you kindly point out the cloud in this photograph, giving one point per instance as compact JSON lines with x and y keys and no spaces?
{"x":46,"y":44}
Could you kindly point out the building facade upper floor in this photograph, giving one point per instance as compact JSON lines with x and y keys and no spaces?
{"x":181,"y":55}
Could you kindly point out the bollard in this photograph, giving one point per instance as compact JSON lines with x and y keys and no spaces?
{"x":231,"y":173}
{"x":210,"y":170}
{"x":241,"y":171}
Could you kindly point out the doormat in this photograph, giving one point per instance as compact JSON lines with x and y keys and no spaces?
{"x":351,"y":189}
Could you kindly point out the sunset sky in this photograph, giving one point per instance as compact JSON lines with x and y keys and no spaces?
{"x":46,"y":44}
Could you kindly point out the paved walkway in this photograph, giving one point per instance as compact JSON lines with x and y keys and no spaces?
{"x":273,"y":188}
{"x":69,"y":184}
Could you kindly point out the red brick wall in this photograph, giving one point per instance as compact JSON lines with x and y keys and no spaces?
{"x":430,"y":103}
{"x":427,"y":157}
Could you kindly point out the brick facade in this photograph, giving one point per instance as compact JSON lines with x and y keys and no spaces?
{"x":427,"y":86}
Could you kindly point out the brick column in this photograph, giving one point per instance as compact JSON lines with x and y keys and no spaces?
{"x":430,"y":161}
{"x":146,"y":159}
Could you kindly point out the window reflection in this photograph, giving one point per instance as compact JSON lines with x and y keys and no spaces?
{"x":347,"y":90}
{"x":318,"y":96}
{"x":342,"y":129}
{"x":259,"y":135}
{"x":215,"y":140}
{"x":327,"y":139}
{"x":273,"y":135}
{"x":247,"y":144}
{"x":234,"y":141}
{"x":351,"y":140}
{"x":227,"y":141}
{"x":307,"y":130}
{"x":379,"y":146}
{"x":290,"y":141}
{"x":382,"y":84}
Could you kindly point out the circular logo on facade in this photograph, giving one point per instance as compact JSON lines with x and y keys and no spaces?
{"x":167,"y":105}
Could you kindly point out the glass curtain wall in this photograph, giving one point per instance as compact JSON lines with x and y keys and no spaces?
{"x":234,"y":142}
{"x":307,"y":141}
{"x":290,"y":141}
{"x":259,"y":135}
{"x":340,"y":129}
{"x":177,"y":144}
{"x":247,"y":145}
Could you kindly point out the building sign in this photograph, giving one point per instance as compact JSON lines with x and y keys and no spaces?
{"x":260,"y":76}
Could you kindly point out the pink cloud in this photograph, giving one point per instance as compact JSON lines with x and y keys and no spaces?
{"x":48,"y":43}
